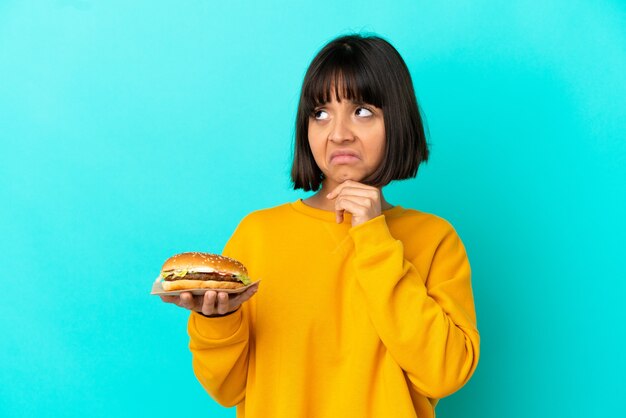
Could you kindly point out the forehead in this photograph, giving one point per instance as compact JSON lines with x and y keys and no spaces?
{"x":341,"y":85}
{"x":342,"y":99}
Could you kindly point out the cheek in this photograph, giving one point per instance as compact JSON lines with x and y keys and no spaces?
{"x":377,"y":145}
{"x":315,"y":144}
{"x":378,"y":154}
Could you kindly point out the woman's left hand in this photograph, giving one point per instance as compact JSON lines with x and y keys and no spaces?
{"x":362,"y":201}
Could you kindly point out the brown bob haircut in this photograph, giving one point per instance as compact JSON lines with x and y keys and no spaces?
{"x":363,"y":69}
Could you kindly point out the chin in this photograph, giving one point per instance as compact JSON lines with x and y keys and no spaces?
{"x":350,"y":176}
{"x":341,"y":176}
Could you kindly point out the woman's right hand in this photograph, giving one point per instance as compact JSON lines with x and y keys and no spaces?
{"x":213,"y":302}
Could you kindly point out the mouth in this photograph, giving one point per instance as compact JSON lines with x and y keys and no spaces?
{"x":344,"y":157}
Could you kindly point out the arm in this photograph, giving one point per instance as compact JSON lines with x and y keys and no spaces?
{"x":219,"y":348}
{"x":220,"y":345}
{"x":427,"y":324}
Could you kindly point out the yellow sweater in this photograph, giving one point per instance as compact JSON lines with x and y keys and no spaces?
{"x":375,"y":320}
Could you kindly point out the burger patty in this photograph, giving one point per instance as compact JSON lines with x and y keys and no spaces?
{"x":203,"y":276}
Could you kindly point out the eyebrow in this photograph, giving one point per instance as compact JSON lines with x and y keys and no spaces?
{"x":354,"y":102}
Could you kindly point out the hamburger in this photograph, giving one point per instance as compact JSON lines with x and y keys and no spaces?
{"x":196,"y":270}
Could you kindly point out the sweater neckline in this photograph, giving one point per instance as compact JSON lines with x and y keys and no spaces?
{"x":329,"y":216}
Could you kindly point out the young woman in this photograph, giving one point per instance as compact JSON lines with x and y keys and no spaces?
{"x":365,"y":308}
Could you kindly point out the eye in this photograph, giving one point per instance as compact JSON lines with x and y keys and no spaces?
{"x":320,"y":115}
{"x":364,"y":112}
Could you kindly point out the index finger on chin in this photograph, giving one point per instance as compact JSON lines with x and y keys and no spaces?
{"x":354,"y":186}
{"x":335,"y":192}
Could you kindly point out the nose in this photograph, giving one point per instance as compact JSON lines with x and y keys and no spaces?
{"x":340,"y":131}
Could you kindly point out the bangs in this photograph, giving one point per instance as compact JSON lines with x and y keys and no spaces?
{"x":363,"y":70}
{"x":344,"y":76}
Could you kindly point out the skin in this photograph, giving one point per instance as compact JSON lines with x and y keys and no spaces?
{"x":347,"y":140}
{"x":213,"y":302}
{"x":357,"y":129}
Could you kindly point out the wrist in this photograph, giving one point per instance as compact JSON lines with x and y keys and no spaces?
{"x":217,"y":315}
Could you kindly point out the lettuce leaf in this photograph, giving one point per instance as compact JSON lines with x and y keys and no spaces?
{"x":244,"y":279}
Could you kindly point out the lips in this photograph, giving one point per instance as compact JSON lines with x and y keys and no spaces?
{"x":344,"y":157}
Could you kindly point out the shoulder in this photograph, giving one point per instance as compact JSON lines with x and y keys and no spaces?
{"x":426,"y":235}
{"x":254,"y":230}
{"x":267,"y":214}
{"x":262,"y":218}
{"x":412,"y":220}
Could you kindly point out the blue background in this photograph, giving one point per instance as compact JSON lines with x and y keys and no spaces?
{"x":132,"y":130}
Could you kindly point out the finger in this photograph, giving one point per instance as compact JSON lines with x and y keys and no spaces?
{"x":244,"y":296}
{"x":339,"y":215}
{"x":335,"y":192}
{"x":366,"y":202}
{"x":369,"y":192}
{"x":352,"y":207}
{"x":222,"y":303}
{"x":254,"y":287}
{"x":350,"y":184}
{"x":186,"y":300}
{"x":169,"y":299}
{"x":366,"y":196}
{"x":248,"y":293}
{"x":208,"y":305}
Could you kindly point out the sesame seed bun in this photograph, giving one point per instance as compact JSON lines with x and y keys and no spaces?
{"x":197,"y":270}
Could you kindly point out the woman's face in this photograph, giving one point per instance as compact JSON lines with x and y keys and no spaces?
{"x":347,"y":140}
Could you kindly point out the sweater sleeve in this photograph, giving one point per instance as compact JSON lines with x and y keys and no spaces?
{"x":427,"y":324}
{"x":220,"y":346}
